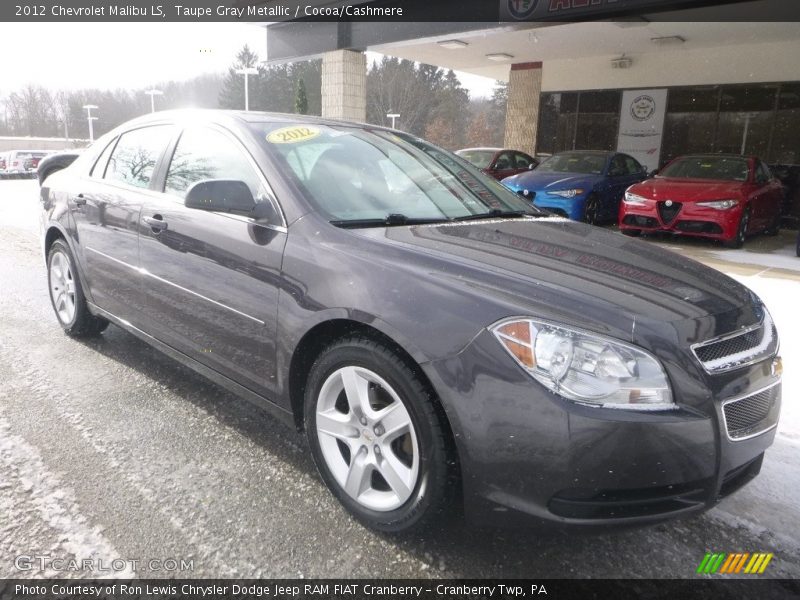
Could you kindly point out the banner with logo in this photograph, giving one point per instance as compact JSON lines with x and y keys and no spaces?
{"x":641,"y":125}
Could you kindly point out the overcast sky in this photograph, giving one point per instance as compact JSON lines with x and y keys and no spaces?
{"x":129,"y":55}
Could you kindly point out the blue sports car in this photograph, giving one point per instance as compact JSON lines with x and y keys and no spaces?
{"x":583,"y":185}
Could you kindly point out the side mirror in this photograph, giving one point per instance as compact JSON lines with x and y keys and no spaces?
{"x":652,"y":173}
{"x":221,"y":195}
{"x":532,"y":166}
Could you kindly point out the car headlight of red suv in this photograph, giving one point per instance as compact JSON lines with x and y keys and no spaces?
{"x":719,"y":204}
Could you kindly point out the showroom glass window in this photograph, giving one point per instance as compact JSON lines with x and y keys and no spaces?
{"x":579,"y":121}
{"x":786,"y":134}
{"x":203,"y":153}
{"x":746,"y":116}
{"x":135,"y":155}
{"x":691,"y":122}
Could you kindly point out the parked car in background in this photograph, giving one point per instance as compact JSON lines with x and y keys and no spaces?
{"x":55,"y":162}
{"x":499,"y":162}
{"x":437,"y":337}
{"x":789,"y":176}
{"x":3,"y":163}
{"x":582,"y":185}
{"x":21,"y":163}
{"x":722,"y":197}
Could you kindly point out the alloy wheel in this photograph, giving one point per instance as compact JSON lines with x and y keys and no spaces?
{"x":62,"y":287}
{"x":367,"y":438}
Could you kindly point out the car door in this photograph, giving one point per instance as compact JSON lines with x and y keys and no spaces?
{"x":760,"y":197}
{"x":105,"y":207}
{"x":522,"y":162}
{"x":211,"y":280}
{"x":503,"y":165}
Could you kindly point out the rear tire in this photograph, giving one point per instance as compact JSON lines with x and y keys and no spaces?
{"x":66,"y":294}
{"x":376,"y":436}
{"x":741,"y":231}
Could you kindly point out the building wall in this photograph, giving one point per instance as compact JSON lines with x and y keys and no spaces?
{"x":674,"y":66}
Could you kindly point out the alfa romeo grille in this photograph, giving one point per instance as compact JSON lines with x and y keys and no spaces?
{"x":738,"y":349}
{"x":751,"y":415}
{"x":668,"y":212}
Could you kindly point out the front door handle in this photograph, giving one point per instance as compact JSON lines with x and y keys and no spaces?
{"x":156,"y":223}
{"x":79,"y":200}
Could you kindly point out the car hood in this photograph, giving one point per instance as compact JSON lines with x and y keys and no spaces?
{"x":688,"y":190}
{"x":572,"y":272}
{"x":536,"y":181}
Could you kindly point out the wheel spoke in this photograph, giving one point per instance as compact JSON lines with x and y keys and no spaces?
{"x":336,"y":425}
{"x":395,"y":420}
{"x":396,"y":474}
{"x":61,"y":301}
{"x":357,"y":477}
{"x":356,"y":388}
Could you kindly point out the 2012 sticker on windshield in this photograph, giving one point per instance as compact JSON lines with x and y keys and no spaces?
{"x":293,"y":134}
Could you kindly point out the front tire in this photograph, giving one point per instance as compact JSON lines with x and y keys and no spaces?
{"x":741,"y":231}
{"x":591,"y":210}
{"x":376,"y":436}
{"x":66,"y":294}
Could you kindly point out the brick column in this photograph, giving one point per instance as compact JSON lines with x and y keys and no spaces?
{"x":522,"y":111}
{"x":344,"y":85}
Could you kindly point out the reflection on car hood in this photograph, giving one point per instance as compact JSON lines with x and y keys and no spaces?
{"x":536,"y":180}
{"x":577,"y":271}
{"x":687,"y":190}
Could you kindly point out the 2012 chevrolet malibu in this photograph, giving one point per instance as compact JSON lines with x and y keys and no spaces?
{"x":439,"y":340}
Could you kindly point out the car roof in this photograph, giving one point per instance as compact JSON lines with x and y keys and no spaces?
{"x":716,"y":155}
{"x":241,"y":117}
{"x":481,"y":149}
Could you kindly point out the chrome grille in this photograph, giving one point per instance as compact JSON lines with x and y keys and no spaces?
{"x":751,"y":415}
{"x":739,"y":349}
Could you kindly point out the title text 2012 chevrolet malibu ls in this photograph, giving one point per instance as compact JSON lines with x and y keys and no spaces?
{"x":430,"y":331}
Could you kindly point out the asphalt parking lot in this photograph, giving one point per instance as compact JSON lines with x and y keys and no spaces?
{"x":110,"y":450}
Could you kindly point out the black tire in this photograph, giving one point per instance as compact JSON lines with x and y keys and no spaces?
{"x":433,"y":490}
{"x":81,"y":323}
{"x":741,"y":231}
{"x":591,"y":209}
{"x":631,"y":232}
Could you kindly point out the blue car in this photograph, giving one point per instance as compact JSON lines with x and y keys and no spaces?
{"x":583,"y":185}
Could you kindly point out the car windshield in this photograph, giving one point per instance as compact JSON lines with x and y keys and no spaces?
{"x":362,"y":176}
{"x":479,"y":158}
{"x":720,"y":168}
{"x":574,"y":162}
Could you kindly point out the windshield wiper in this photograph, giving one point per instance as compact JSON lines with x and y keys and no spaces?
{"x":496,"y":213}
{"x":388,"y":221}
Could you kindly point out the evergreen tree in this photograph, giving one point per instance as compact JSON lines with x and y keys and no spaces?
{"x":300,"y":99}
{"x":232,"y":93}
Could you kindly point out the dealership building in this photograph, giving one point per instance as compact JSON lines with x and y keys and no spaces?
{"x":654,"y":85}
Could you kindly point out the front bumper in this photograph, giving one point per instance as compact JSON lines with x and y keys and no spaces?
{"x":691,"y":220}
{"x":528,"y":454}
{"x":571,"y":208}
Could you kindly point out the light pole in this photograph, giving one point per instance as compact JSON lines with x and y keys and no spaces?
{"x":246,"y":71}
{"x":153,"y":93}
{"x":90,"y":118}
{"x":393,"y":116}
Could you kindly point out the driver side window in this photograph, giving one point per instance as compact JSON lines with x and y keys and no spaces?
{"x":202,"y":154}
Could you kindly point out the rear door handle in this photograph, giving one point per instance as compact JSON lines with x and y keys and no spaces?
{"x":156,"y":223}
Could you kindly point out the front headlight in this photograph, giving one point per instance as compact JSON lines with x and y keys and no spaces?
{"x":585,"y":367}
{"x":634,"y":199}
{"x":566,"y":193}
{"x":719,"y":204}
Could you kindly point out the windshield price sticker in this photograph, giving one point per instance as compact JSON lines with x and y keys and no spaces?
{"x":292,"y":135}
